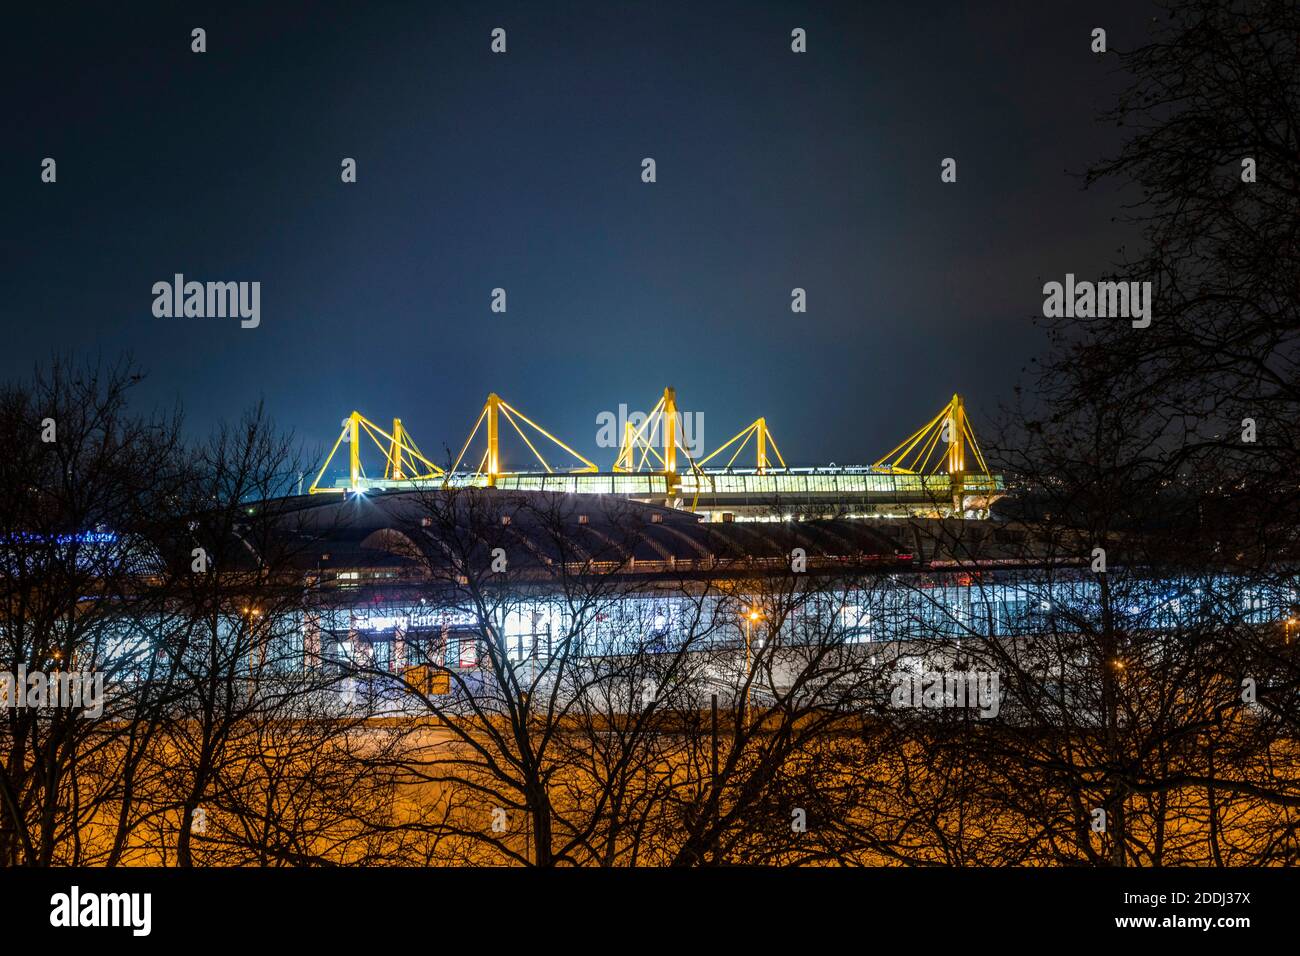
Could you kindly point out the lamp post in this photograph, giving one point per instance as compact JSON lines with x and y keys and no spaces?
{"x":751,"y":617}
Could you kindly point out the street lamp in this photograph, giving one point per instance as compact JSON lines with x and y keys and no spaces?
{"x":256,"y":649}
{"x":752,"y":617}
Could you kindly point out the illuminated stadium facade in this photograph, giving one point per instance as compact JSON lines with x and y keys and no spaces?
{"x":382,"y":595}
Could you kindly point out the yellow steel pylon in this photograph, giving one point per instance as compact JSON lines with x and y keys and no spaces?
{"x":490,"y":464}
{"x":949,"y":427}
{"x":670,"y":430}
{"x":762,"y":438}
{"x":393,"y":467}
{"x":402,"y":459}
{"x":639,"y":448}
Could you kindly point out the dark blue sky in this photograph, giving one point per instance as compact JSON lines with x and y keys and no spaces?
{"x":775,"y":170}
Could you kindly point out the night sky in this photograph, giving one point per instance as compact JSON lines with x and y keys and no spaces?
{"x":523,"y":171}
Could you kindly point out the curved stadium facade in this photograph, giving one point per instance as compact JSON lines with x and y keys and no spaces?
{"x":396,"y":581}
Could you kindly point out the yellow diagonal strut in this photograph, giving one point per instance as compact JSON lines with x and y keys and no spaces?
{"x":636,"y":439}
{"x":762,"y":438}
{"x":950,"y":429}
{"x":491,"y":464}
{"x":402,"y":459}
{"x":663,"y":419}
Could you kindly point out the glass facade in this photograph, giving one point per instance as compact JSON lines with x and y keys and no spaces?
{"x":833,"y":483}
{"x":829,"y":482}
{"x":896,"y":608}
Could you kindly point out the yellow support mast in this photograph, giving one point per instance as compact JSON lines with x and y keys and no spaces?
{"x":670,"y":430}
{"x":354,"y":450}
{"x":758,"y":430}
{"x":491,"y":464}
{"x":956,"y":436}
{"x":402,"y":459}
{"x":394,"y":467}
{"x":662,"y":418}
{"x":493,"y":438}
{"x":624,"y":460}
{"x":915,"y":455}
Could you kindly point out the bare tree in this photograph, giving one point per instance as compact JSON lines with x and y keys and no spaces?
{"x":84,"y":479}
